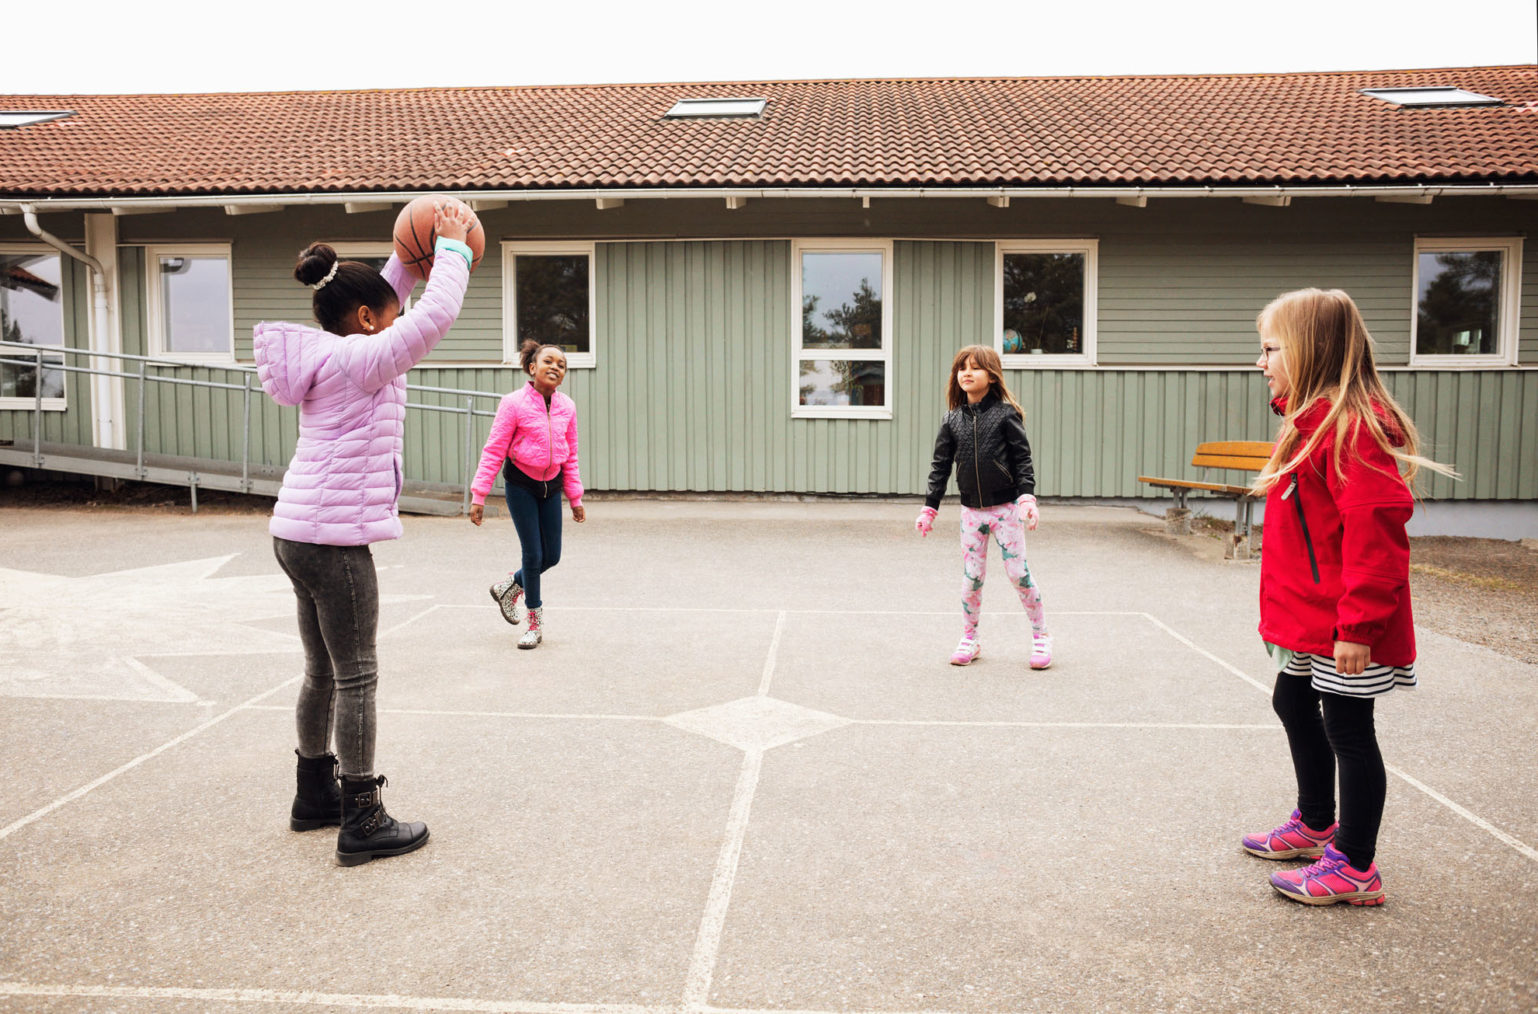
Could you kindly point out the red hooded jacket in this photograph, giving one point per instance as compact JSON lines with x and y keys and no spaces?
{"x":1335,"y":564}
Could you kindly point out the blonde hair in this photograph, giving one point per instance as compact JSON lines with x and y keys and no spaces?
{"x":988,"y":361}
{"x":1329,"y":354}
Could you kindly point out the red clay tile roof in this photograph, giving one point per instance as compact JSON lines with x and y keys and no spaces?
{"x":1292,"y":129}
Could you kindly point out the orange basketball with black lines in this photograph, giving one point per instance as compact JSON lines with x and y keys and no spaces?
{"x":414,"y":236}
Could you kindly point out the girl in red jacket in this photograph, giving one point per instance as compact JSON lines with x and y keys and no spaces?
{"x":533,"y":441}
{"x":1334,"y":584}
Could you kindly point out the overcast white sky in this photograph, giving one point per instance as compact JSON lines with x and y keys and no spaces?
{"x":233,"y":45}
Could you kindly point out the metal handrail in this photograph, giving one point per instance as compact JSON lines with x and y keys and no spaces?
{"x":35,"y":355}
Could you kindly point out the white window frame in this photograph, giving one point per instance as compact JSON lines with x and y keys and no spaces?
{"x":49,"y":404}
{"x":155,"y":310}
{"x":511,"y":249}
{"x":1510,"y":301}
{"x":883,"y":355}
{"x":1088,"y":345}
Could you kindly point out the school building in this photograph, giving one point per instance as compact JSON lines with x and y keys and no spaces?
{"x":760,"y":285}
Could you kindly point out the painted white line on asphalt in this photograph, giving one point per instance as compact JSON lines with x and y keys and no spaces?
{"x":1207,"y":654}
{"x":707,"y":944}
{"x":10,"y":829}
{"x":355,"y":1000}
{"x":406,"y":623}
{"x":430,"y":713}
{"x":774,"y":654}
{"x":175,"y":692}
{"x":366,"y":1001}
{"x":1269,"y":726}
{"x":1466,"y":814}
{"x":812,"y":612}
{"x":1472,"y":818}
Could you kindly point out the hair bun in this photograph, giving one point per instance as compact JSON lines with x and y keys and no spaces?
{"x":314,"y":263}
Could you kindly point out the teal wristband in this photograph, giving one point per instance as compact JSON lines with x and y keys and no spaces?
{"x":458,"y":246}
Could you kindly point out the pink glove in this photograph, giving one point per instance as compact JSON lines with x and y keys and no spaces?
{"x":925,"y":522}
{"x":1028,"y":511}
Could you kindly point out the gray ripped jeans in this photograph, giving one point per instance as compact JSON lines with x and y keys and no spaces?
{"x":338,"y":593}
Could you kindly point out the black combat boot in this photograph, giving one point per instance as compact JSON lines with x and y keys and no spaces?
{"x":368,"y":832}
{"x":318,"y":803}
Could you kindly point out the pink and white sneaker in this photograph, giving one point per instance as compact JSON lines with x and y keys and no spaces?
{"x":1041,"y":651}
{"x":966,"y":652}
{"x":1330,"y":880}
{"x":1292,"y":840}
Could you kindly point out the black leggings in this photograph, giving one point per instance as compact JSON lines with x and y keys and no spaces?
{"x":1325,"y":730}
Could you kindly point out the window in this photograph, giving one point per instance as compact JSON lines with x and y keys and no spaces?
{"x":843,"y":334}
{"x":31,"y":313}
{"x":716,"y":109}
{"x":1434,"y":96}
{"x":1466,"y":293}
{"x":190,"y":313}
{"x":548,"y":292}
{"x":13,"y":118}
{"x":1045,"y":307}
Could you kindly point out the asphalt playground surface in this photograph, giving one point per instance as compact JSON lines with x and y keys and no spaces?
{"x":739,"y":776}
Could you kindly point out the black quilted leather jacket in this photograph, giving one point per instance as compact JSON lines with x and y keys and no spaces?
{"x":987,"y":443}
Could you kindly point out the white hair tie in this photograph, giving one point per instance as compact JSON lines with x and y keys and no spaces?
{"x":329,"y":275}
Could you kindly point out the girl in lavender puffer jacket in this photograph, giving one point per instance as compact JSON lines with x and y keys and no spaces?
{"x":339,"y":495}
{"x":533,"y":441}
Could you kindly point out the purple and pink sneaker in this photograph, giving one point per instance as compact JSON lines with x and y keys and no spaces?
{"x":1292,"y":840}
{"x":1330,"y":880}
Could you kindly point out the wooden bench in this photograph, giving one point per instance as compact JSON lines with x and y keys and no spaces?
{"x":1236,"y":455}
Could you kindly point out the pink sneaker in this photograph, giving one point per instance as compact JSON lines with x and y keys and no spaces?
{"x":966,"y":652}
{"x":1330,"y":880}
{"x":1041,"y":651}
{"x":1292,"y":840}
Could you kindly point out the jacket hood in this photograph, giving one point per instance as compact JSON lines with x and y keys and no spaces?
{"x":287,"y":358}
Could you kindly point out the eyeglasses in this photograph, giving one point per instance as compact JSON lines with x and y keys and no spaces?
{"x":1267,"y":351}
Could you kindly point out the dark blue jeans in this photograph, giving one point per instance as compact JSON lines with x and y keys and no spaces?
{"x":338,"y":593}
{"x":538,"y":520}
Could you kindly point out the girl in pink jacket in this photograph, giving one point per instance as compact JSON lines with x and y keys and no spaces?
{"x":339,"y":495}
{"x":534,"y":442}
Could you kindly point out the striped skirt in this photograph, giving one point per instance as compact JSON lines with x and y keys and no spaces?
{"x":1373,"y":681}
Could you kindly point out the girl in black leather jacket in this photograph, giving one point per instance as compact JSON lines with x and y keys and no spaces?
{"x":983,"y":435}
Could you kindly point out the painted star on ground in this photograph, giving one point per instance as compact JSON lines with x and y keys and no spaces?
{"x":97,"y":636}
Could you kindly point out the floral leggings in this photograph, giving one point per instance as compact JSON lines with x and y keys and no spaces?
{"x":1003,"y":523}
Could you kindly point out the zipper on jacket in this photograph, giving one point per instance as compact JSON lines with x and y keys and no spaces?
{"x":550,"y":431}
{"x":977,"y":468}
{"x":1297,"y":501}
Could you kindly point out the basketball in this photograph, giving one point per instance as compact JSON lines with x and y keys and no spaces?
{"x":414,"y":236}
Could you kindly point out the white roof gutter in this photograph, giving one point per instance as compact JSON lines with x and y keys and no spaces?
{"x":30,"y":217}
{"x":127,"y":204}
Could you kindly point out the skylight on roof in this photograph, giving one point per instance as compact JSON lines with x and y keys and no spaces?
{"x":13,"y":118}
{"x":715,"y":109}
{"x":1431,"y":97}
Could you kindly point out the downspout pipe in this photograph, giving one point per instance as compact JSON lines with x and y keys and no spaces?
{"x":29,"y":215}
{"x":100,"y":318}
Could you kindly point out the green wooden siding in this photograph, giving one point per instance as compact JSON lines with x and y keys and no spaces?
{"x":1194,"y":302}
{"x":692,"y":391}
{"x":263,"y":257}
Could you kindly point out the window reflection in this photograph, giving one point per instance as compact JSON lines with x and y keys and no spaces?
{"x":841,"y":300}
{"x":1043,"y":303}
{"x":195,"y":304}
{"x":1458,"y":305}
{"x":552,"y":299}
{"x":31,"y":312}
{"x":842,"y":382}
